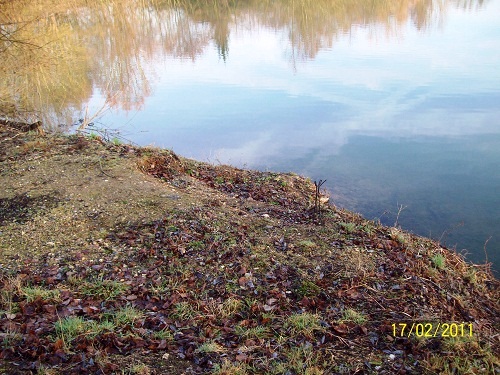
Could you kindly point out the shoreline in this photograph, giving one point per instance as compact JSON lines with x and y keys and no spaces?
{"x":168,"y":261}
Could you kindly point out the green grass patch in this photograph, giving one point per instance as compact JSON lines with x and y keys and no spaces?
{"x":348,"y":227}
{"x":438,"y":261}
{"x":104,"y":289}
{"x":164,"y":334}
{"x":126,"y":316}
{"x":184,"y":311}
{"x":350,"y":315}
{"x":302,"y":360}
{"x":230,"y":307}
{"x":35,"y":293}
{"x":210,"y":347}
{"x":303,"y":324}
{"x":258,"y":332}
{"x":71,"y":327}
{"x":308,"y":289}
{"x":228,"y":368}
{"x":196,"y":245}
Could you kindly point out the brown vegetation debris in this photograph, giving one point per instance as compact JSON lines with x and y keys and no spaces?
{"x":233,"y":276}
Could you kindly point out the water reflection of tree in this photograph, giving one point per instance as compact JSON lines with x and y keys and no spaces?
{"x":42,"y":66}
{"x":54,"y":54}
{"x":219,"y":15}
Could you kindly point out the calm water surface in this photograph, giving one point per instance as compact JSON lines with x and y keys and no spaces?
{"x":397,"y":107}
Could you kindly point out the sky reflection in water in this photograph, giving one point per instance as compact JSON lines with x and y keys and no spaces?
{"x":411,"y":119}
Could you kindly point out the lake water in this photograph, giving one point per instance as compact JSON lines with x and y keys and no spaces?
{"x":395,"y":103}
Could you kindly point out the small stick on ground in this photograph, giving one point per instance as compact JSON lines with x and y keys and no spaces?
{"x":317,"y":203}
{"x":102,"y":170}
{"x":400,"y":209}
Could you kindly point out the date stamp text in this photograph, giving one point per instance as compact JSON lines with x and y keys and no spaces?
{"x":432,"y":329}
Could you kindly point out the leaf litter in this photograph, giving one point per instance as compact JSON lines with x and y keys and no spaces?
{"x":116,"y":259}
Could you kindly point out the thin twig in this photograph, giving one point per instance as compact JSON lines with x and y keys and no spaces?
{"x":317,"y":203}
{"x":346,"y":342}
{"x":485,"y":253}
{"x":11,"y":138}
{"x":102,"y":170}
{"x":400,"y":209}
